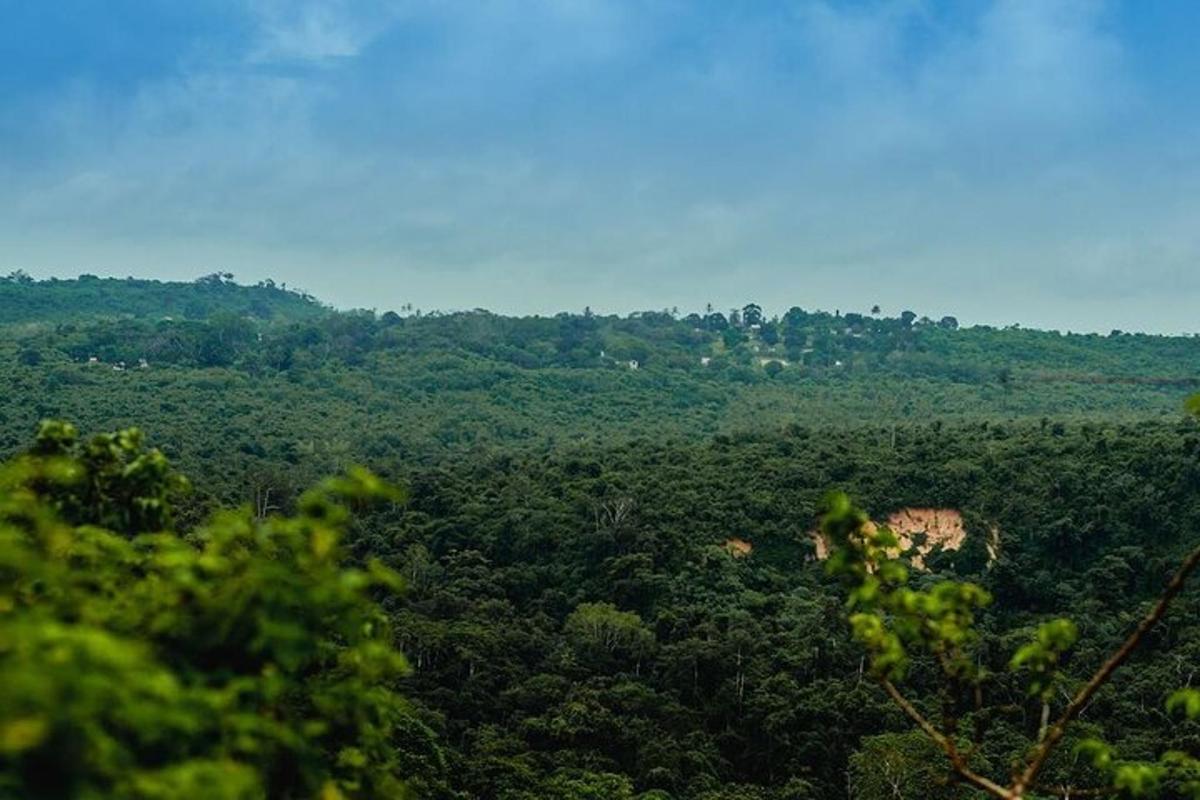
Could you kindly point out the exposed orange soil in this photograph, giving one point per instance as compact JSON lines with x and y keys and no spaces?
{"x":942,"y":527}
{"x":738,"y":548}
{"x":820,"y":545}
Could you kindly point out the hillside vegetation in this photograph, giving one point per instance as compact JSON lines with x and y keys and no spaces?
{"x":298,"y":384}
{"x":611,"y":583}
{"x":23,"y":299}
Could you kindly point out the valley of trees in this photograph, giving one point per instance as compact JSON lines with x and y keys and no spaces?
{"x":552,"y":607}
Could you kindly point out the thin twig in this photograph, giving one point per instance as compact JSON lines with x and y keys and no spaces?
{"x":947,"y":745}
{"x":1084,"y":696}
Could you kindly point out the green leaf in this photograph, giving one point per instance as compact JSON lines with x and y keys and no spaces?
{"x":1192,"y":405}
{"x":1096,"y":751}
{"x":1186,"y":699}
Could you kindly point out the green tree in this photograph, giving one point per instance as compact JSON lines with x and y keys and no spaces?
{"x":900,"y":766}
{"x":601,"y":627}
{"x":240,"y":661}
{"x":578,"y":785}
{"x":752,"y":314}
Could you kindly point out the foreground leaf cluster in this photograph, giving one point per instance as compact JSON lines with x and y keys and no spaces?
{"x":240,"y":661}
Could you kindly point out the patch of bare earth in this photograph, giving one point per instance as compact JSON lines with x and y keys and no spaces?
{"x":921,"y":531}
{"x":738,"y":548}
{"x":942,"y":527}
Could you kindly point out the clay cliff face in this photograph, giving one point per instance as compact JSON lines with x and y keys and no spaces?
{"x":942,"y":527}
{"x":738,"y":548}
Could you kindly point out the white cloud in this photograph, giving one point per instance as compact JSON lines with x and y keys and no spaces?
{"x":634,"y":152}
{"x":317,"y":30}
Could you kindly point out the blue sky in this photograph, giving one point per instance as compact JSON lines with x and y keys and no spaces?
{"x":1030,"y":161}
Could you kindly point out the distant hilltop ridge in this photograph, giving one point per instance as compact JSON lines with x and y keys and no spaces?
{"x":217,"y":322}
{"x":24,"y":298}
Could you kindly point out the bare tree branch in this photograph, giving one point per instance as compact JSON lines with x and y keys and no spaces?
{"x":1053,"y":735}
{"x":1043,"y":750}
{"x":947,"y":745}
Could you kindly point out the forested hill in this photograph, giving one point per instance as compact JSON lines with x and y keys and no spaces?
{"x":269,"y":326}
{"x":285,"y":380}
{"x":609,"y":536}
{"x":23,"y":299}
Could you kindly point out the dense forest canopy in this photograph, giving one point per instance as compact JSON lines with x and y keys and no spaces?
{"x":613,"y":586}
{"x":300,"y":385}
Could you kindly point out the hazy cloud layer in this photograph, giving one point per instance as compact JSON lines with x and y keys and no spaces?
{"x":1023,"y":160}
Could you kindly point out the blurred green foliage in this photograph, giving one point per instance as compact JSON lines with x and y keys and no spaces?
{"x":239,"y":661}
